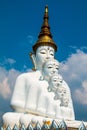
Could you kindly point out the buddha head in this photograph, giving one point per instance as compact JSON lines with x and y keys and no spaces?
{"x":64,"y":101}
{"x":45,"y":47}
{"x":56,"y":80}
{"x":55,"y":83}
{"x":43,"y":53}
{"x":49,"y":68}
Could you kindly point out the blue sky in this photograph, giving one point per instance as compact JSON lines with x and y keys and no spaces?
{"x":20,"y":23}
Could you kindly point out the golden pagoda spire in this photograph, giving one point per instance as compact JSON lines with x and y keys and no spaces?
{"x":45,"y":36}
{"x":45,"y":29}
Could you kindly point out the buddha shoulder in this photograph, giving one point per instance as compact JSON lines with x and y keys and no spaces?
{"x":29,"y":75}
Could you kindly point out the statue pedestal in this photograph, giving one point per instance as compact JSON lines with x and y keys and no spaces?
{"x":18,"y":118}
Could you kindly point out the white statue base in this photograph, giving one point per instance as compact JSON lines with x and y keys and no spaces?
{"x":19,"y":118}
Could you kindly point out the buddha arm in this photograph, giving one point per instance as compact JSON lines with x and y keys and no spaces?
{"x":18,"y":97}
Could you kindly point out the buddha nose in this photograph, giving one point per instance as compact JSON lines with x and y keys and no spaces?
{"x":54,"y":71}
{"x":47,"y":56}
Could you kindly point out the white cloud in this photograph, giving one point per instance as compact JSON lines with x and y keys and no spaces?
{"x":74,"y":71}
{"x":8,"y":77}
{"x":82,"y":93}
{"x":73,"y":47}
{"x":7,"y":61}
{"x":5,"y":90}
{"x":11,"y":61}
{"x":30,"y":39}
{"x":7,"y":81}
{"x":84,"y":48}
{"x":81,"y":48}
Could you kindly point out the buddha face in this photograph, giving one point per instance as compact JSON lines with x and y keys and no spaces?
{"x":64,"y":101}
{"x":50,"y":67}
{"x":43,"y":53}
{"x":56,"y":80}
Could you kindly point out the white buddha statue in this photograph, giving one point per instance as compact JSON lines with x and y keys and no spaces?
{"x":62,"y":93}
{"x":58,"y":89}
{"x":29,"y":82}
{"x":46,"y":103}
{"x":27,"y":87}
{"x":31,"y":96}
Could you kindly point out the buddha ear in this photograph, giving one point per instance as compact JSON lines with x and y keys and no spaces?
{"x":33,"y":58}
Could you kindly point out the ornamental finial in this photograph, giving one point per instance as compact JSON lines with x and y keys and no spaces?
{"x":46,"y":9}
{"x":45,"y":36}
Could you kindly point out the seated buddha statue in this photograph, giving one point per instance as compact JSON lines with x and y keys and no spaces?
{"x":31,"y":96}
{"x":58,"y":90}
{"x":27,"y":85}
{"x":46,"y":105}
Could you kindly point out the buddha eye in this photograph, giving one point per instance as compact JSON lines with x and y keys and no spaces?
{"x":43,"y":52}
{"x":51,"y":53}
{"x":49,"y":67}
{"x":54,"y":80}
{"x":57,"y":68}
